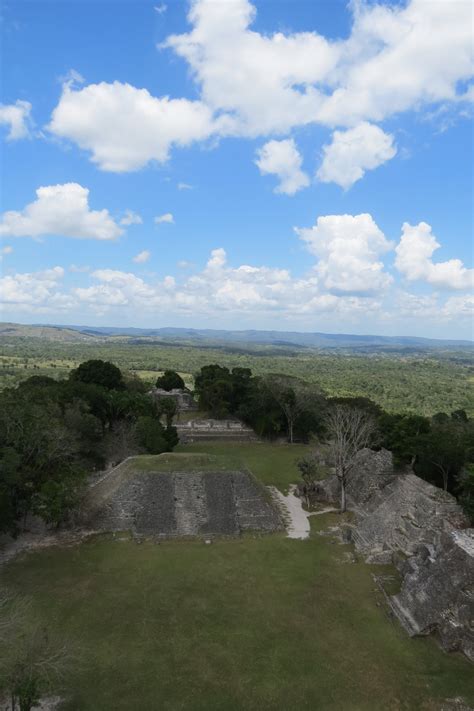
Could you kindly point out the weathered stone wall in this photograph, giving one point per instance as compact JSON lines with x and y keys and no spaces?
{"x":437,"y":594}
{"x":393,"y":512}
{"x":187,"y":503}
{"x":184,"y":399}
{"x":402,"y":518}
{"x":209,"y":429}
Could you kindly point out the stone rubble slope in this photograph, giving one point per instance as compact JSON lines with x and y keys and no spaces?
{"x":403,"y":519}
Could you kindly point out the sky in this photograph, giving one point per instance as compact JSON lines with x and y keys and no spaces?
{"x":285,"y":164}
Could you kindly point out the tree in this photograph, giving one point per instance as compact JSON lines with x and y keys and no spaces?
{"x":33,"y":662}
{"x":403,"y":435}
{"x":213,"y":386}
{"x":310,"y":468}
{"x":293,"y":397}
{"x":443,"y":450}
{"x":466,"y":490}
{"x":99,"y":372}
{"x":168,"y":407}
{"x":350,"y":431}
{"x":57,"y":497}
{"x":170,"y":380}
{"x":151,"y":435}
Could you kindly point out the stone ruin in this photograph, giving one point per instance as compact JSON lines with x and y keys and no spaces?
{"x":437,"y":593}
{"x":230,"y":430}
{"x":184,"y":399}
{"x":403,"y":519}
{"x":174,"y":504}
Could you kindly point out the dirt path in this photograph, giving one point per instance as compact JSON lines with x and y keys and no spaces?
{"x":296,"y":518}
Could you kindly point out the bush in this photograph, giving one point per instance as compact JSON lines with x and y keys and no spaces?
{"x":152,"y":435}
{"x":99,"y":372}
{"x":170,"y":380}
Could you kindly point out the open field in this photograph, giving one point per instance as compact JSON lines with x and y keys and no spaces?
{"x":256,"y":622}
{"x":411,"y":381}
{"x":273,"y":464}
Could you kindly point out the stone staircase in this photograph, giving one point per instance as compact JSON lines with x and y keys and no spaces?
{"x":190,"y":503}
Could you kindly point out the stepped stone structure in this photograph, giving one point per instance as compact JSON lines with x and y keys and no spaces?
{"x":184,"y":399}
{"x":225,"y":430}
{"x":402,"y":519}
{"x":438,"y":591}
{"x":188,"y":503}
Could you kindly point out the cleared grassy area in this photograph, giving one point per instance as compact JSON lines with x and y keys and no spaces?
{"x":270,"y":463}
{"x":265,"y":623}
{"x":252,"y":623}
{"x":181,"y":461}
{"x":151,"y":376}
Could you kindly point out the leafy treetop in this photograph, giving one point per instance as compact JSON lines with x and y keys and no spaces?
{"x":99,"y":372}
{"x":170,"y":380}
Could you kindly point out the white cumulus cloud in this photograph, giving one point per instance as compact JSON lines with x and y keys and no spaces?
{"x":60,"y":210}
{"x":393,"y":60}
{"x":348,"y":248}
{"x":17,"y":117}
{"x":166,"y":218}
{"x":354,"y":151}
{"x":131,"y":218}
{"x":414,"y":260}
{"x":255,"y":84}
{"x":124,"y":127}
{"x":142,"y":257}
{"x":281,"y":158}
{"x":34,"y":290}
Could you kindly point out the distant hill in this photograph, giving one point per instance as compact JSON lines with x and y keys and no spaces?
{"x":190,"y":335}
{"x":51,"y":333}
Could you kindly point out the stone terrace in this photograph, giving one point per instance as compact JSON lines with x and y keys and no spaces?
{"x":209,"y":430}
{"x":187,"y":503}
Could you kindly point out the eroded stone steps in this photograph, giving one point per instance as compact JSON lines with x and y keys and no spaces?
{"x":190,"y":503}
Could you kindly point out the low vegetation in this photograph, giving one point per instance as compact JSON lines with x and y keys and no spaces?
{"x":54,"y":433}
{"x":399,"y":380}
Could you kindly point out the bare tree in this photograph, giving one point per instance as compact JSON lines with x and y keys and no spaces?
{"x":350,"y":430}
{"x":32,"y":661}
{"x":292,"y":395}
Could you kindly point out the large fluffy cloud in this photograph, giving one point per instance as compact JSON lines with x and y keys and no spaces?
{"x":414,"y":260}
{"x":60,"y":210}
{"x":124,"y":127}
{"x":281,"y":158}
{"x":17,"y":117}
{"x":393,"y":60}
{"x":354,"y":151}
{"x":254,"y":84}
{"x":265,"y":83}
{"x":348,"y":248}
{"x":35,"y":291}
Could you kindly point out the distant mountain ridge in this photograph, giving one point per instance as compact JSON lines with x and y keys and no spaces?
{"x":252,"y":336}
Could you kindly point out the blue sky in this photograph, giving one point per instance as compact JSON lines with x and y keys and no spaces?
{"x":297,"y":165}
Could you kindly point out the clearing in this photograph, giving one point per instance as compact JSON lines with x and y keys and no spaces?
{"x":249,"y":622}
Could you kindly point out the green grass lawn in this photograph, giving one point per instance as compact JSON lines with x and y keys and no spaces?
{"x":270,"y":463}
{"x":264,"y":623}
{"x":258,"y":622}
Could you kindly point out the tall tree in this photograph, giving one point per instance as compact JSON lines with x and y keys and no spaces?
{"x":293,"y":397}
{"x":350,"y":430}
{"x":99,"y":372}
{"x":170,"y":380}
